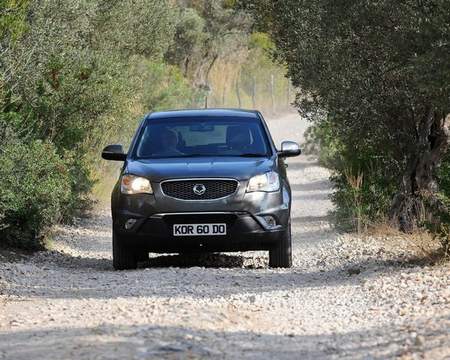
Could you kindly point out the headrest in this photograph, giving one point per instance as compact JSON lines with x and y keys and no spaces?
{"x":238,"y":135}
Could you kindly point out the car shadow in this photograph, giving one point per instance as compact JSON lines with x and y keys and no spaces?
{"x":206,"y":260}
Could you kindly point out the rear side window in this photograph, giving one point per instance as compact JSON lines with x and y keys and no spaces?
{"x":190,"y":137}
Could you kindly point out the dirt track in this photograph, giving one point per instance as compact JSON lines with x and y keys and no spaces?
{"x":345,"y":297}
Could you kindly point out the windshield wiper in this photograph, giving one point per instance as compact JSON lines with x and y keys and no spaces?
{"x":182,"y":156}
{"x":252,"y":155}
{"x":205,"y":155}
{"x":192,"y":155}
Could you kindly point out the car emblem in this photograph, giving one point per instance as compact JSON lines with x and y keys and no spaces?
{"x":199,"y":189}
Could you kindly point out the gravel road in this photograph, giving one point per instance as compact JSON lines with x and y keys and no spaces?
{"x":345,"y":297}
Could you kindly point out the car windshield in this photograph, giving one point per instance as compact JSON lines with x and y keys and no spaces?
{"x":198,"y":137}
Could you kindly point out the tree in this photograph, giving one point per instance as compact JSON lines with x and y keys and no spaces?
{"x":188,"y":40}
{"x":214,"y":29}
{"x":379,"y":73}
{"x":67,"y":84}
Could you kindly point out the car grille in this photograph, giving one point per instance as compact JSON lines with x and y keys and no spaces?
{"x":206,"y":189}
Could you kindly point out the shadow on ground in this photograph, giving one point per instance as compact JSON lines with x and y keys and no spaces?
{"x":196,"y":260}
{"x":94,"y":278}
{"x":301,"y":164}
{"x":310,"y":219}
{"x":323,"y":185}
{"x":150,"y":341}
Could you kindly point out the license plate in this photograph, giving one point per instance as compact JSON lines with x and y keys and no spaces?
{"x":199,"y":229}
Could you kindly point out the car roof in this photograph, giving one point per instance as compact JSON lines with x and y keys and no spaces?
{"x":204,"y":113}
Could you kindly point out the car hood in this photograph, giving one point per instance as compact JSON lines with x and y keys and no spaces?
{"x":211,"y":167}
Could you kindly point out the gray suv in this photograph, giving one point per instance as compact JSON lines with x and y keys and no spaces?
{"x":201,"y":181}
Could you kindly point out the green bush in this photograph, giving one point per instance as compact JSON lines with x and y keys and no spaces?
{"x":361,"y":199}
{"x":71,"y":81}
{"x":363,"y":180}
{"x":81,"y":182}
{"x":380,"y":71}
{"x":168,"y":90}
{"x":440,"y":225}
{"x":443,"y":175}
{"x":35,"y":188}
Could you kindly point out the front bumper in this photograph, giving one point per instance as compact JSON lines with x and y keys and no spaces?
{"x":243,"y":213}
{"x":244,"y":232}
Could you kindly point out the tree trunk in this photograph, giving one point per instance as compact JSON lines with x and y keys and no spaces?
{"x":418,"y":189}
{"x":254,"y":93}
{"x":224,"y":96}
{"x":211,"y":65}
{"x":186,"y":67}
{"x":288,"y":103}
{"x":272,"y":93}
{"x":238,"y":91}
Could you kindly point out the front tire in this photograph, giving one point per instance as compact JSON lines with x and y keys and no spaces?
{"x":124,"y":257}
{"x":142,"y":256}
{"x":281,"y":255}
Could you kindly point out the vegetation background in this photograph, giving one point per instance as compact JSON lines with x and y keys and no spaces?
{"x":375,"y":83}
{"x":78,"y":74}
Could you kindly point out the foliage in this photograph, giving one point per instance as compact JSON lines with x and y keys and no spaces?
{"x":443,"y":174}
{"x":135,"y":27}
{"x":188,"y":40}
{"x":76,"y":75}
{"x":252,"y":79}
{"x":12,"y":18}
{"x":65,"y":91}
{"x":209,"y":31}
{"x":169,"y":90}
{"x":35,"y":189}
{"x":380,"y":71}
{"x":364,"y":181}
{"x":441,"y":225}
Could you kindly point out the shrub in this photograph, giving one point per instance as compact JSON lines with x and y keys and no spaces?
{"x":380,"y":70}
{"x":361,"y":199}
{"x":71,"y":80}
{"x":168,"y":90}
{"x":440,"y":225}
{"x":81,"y":183}
{"x":363,"y":179}
{"x":35,"y":187}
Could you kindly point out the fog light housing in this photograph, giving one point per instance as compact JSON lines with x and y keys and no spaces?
{"x":270,"y":221}
{"x":130,"y":223}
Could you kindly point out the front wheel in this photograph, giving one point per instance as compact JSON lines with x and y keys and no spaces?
{"x":281,"y":255}
{"x":124,"y":256}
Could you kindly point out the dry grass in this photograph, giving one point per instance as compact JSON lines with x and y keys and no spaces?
{"x":420,"y":244}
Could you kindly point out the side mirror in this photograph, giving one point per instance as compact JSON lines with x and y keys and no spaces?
{"x":114,"y":152}
{"x":289,"y":149}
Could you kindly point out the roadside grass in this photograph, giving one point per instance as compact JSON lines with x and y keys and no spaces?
{"x":420,"y":245}
{"x":101,"y":193}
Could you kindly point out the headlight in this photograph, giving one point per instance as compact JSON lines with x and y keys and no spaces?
{"x":267,"y":182}
{"x":131,"y":184}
